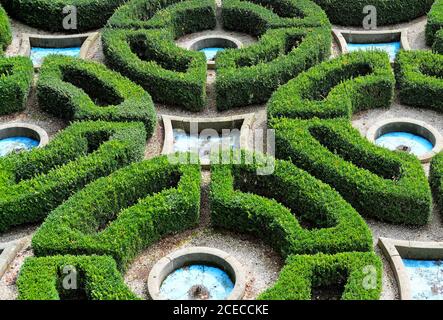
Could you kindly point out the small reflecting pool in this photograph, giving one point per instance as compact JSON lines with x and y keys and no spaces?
{"x":211,"y":52}
{"x":405,"y":141}
{"x":197,"y":282}
{"x":39,"y":54}
{"x":16,"y":144}
{"x":426,"y":278}
{"x":392,"y":48}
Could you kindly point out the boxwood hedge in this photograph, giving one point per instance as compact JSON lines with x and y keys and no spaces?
{"x":337,"y":88}
{"x":123,"y":213}
{"x":74,"y":89}
{"x":35,"y":182}
{"x":361,"y":273}
{"x":5,"y":30}
{"x":48,"y":14}
{"x":97,"y":279}
{"x":289,"y":209}
{"x":436,"y":179}
{"x":420,"y":79}
{"x":434,"y":33}
{"x":16,"y":74}
{"x":378,"y":183}
{"x":350,"y":12}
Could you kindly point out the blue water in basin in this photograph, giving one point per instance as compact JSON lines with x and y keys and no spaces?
{"x":179,"y":284}
{"x":426,"y":278}
{"x":210,"y":53}
{"x":17,"y":144}
{"x":390,"y":47}
{"x":39,"y":54}
{"x":392,"y":140}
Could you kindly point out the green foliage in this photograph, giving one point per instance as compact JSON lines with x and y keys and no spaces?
{"x":337,"y":88}
{"x":34,"y":183}
{"x":289,"y":209}
{"x":436,"y":179}
{"x":420,"y":79}
{"x":75,"y":89}
{"x":123,"y":213}
{"x":49,"y":15}
{"x":389,"y":12}
{"x":435,"y":24}
{"x":5,"y":30}
{"x":16,"y":75}
{"x":378,"y":183}
{"x":303,"y":273}
{"x":98,"y":279}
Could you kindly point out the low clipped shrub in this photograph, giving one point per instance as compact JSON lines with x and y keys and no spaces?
{"x":435,"y":24}
{"x":50,"y":14}
{"x":389,"y":12}
{"x":438,"y":44}
{"x":420,"y":79}
{"x":74,"y":89}
{"x":337,"y":88}
{"x":98,"y":279}
{"x":16,"y":75}
{"x":436,"y":179}
{"x":123,"y":213}
{"x":288,"y":208}
{"x":378,"y":183}
{"x":5,"y":30}
{"x":35,"y":182}
{"x":361,"y":273}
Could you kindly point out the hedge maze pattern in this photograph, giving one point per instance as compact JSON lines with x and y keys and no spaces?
{"x":309,"y":210}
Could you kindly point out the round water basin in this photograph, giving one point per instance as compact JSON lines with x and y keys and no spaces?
{"x":211,"y":45}
{"x":197,"y":273}
{"x":391,"y":48}
{"x":39,"y":54}
{"x":19,"y":137}
{"x":407,"y":135}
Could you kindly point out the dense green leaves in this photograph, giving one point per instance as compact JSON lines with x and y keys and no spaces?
{"x":434,"y":33}
{"x":5,"y":30}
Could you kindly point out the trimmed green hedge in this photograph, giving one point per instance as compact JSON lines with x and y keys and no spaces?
{"x":350,"y":12}
{"x":16,"y":74}
{"x":48,"y":14}
{"x":438,"y":44}
{"x":361,"y":272}
{"x":435,"y":24}
{"x":289,"y":209}
{"x":250,"y":75}
{"x":34,"y":183}
{"x":97,"y":279}
{"x":378,"y":183}
{"x":5,"y":30}
{"x":337,"y":88}
{"x":74,"y":89}
{"x":436,"y":179}
{"x":108,"y":217}
{"x":420,"y":79}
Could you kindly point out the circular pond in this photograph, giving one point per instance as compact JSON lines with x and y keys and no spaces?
{"x":18,"y":137}
{"x":407,"y":135}
{"x":211,"y":45}
{"x":197,"y":273}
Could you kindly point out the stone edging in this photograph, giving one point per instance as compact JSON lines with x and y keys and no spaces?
{"x":84,"y":40}
{"x":8,"y":252}
{"x":186,"y":256}
{"x":421,"y":128}
{"x":25,"y":130}
{"x":203,"y":123}
{"x":397,"y":250}
{"x":342,"y":37}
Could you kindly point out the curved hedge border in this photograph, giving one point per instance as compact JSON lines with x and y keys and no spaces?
{"x":337,"y":88}
{"x":48,"y":14}
{"x":16,"y":74}
{"x":420,"y":79}
{"x":99,"y":279}
{"x":389,"y":186}
{"x":302,"y":273}
{"x":107,"y":217}
{"x":350,"y":12}
{"x":149,"y":56}
{"x":436,"y":179}
{"x":267,"y":206}
{"x":5,"y":30}
{"x":35,"y":182}
{"x":74,"y":89}
{"x":250,"y":75}
{"x":434,"y":28}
